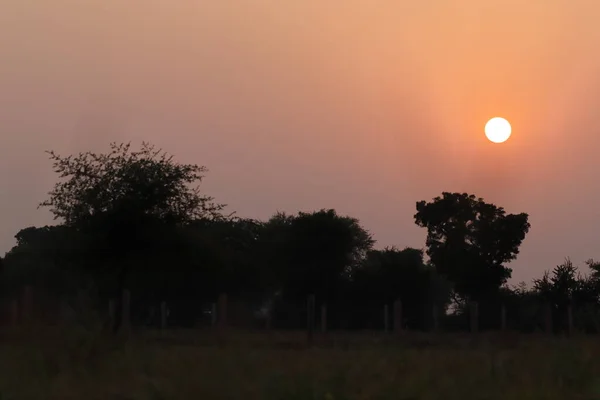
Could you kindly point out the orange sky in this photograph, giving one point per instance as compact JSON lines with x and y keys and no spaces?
{"x":363,"y":106}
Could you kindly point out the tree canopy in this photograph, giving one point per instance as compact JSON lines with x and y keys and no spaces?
{"x":122,"y":181}
{"x":469,"y":241}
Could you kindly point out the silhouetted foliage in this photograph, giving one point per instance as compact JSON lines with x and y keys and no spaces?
{"x":131,"y":204}
{"x":566,"y":287}
{"x":137,"y":220}
{"x":147,"y":181}
{"x":391,"y":274}
{"x":469,"y":241}
{"x":313,"y":253}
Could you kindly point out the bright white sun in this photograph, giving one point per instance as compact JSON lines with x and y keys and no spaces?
{"x":498,"y":130}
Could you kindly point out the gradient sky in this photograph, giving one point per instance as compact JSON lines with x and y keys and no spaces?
{"x":363,"y":106}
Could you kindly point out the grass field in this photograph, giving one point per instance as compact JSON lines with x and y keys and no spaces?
{"x":188,"y":365}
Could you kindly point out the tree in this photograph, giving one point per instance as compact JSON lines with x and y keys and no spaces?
{"x":312,"y":253}
{"x":594,"y":266}
{"x":274,"y":250}
{"x":469,"y":241}
{"x":147,"y":181}
{"x":131,"y":202}
{"x":397,"y":274}
{"x":391,"y":274}
{"x":45,"y":256}
{"x":233,"y":244}
{"x":323,"y":248}
{"x":565,"y":286}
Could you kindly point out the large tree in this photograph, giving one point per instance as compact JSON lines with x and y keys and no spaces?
{"x":147,"y":181}
{"x":133,"y":204}
{"x":233,"y":245}
{"x":469,"y":241}
{"x":45,"y":255}
{"x":311,"y":253}
{"x":324,"y":247}
{"x":391,"y":274}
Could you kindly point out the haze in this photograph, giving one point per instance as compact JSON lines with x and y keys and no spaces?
{"x":362,"y":106}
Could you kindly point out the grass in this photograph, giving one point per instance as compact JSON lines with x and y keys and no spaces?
{"x":187,"y":365}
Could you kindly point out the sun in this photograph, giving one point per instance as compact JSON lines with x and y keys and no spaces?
{"x":498,"y":130}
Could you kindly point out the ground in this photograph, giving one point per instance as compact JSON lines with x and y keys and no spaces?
{"x":185,"y":365}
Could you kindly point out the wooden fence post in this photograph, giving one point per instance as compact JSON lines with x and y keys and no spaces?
{"x":474,"y":316}
{"x":213,"y":315}
{"x":503,"y":318}
{"x":222,"y":318}
{"x":386,"y":318}
{"x":163,"y":315}
{"x":570,"y":327}
{"x":268,"y":320}
{"x":14,"y":312}
{"x":398,"y":316}
{"x":324,"y":318}
{"x":111,"y":312}
{"x":310,"y":318}
{"x":27,"y":303}
{"x":436,"y":322}
{"x":548,"y":319}
{"x":126,"y":311}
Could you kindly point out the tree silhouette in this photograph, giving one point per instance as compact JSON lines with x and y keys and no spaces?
{"x":322,"y":248}
{"x":131,"y":202}
{"x":49,"y":255}
{"x":565,"y":286}
{"x":147,"y":181}
{"x":469,"y":240}
{"x":138,"y":220}
{"x":312,"y":253}
{"x":391,"y":274}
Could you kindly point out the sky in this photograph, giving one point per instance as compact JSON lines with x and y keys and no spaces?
{"x":365,"y":106}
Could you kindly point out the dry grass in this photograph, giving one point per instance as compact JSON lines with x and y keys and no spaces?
{"x":186,"y":365}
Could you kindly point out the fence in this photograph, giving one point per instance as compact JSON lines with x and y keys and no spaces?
{"x":224,"y":314}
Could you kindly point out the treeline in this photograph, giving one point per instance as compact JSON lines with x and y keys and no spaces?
{"x":138,"y":220}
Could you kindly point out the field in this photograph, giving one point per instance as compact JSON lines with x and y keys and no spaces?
{"x":187,"y":365}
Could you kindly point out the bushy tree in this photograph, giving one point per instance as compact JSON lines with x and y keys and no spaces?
{"x":147,"y":181}
{"x":48,"y":256}
{"x":311,"y":253}
{"x":321,"y":248}
{"x":565,"y":286}
{"x":392,"y":274}
{"x":469,"y":241}
{"x":133,"y":204}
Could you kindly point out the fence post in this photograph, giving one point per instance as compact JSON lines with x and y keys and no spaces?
{"x":324,"y":318}
{"x":213,"y":315}
{"x":111,"y":311}
{"x":436,"y":322}
{"x":310,"y":318}
{"x":386,"y":318}
{"x":503,"y":318}
{"x":126,"y":311}
{"x":222,"y":318}
{"x":163,"y":315}
{"x":548,"y":318}
{"x":398,"y":316}
{"x":268,"y":320}
{"x":474,"y":316}
{"x":27,"y":301}
{"x":14,"y":312}
{"x":570,"y":326}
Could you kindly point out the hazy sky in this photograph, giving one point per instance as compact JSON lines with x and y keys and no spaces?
{"x":363,"y":106}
